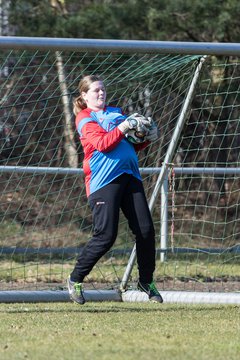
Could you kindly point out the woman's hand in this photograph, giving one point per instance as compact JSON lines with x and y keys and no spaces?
{"x":153,"y":133}
{"x":135,"y":121}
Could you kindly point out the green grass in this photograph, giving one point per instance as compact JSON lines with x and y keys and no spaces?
{"x":119,"y":331}
{"x":111,"y":271}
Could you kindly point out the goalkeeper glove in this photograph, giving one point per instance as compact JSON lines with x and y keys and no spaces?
{"x":137,"y":122}
{"x":153,"y":132}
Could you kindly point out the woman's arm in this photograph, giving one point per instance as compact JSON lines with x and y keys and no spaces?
{"x":99,"y":138}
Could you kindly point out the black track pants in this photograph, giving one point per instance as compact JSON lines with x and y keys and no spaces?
{"x":126,"y":193}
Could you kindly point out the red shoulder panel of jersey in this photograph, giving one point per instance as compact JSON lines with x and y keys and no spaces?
{"x":85,"y":113}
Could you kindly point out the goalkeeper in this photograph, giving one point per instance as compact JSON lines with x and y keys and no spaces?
{"x":113,"y":182}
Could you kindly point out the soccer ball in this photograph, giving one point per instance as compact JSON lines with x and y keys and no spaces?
{"x":136,"y":137}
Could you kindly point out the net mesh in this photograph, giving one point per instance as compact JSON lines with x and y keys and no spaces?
{"x":44,"y":216}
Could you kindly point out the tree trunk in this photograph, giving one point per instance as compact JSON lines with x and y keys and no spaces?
{"x":69,"y":145}
{"x":4,"y":14}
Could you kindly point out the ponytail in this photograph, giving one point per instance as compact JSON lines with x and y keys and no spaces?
{"x":78,"y":105}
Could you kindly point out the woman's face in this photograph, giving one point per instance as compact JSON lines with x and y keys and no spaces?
{"x":95,"y":97}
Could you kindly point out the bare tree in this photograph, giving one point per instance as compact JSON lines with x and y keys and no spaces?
{"x":70,"y":146}
{"x":4,"y":15}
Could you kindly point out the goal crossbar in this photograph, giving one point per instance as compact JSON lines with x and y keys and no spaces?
{"x":140,"y":46}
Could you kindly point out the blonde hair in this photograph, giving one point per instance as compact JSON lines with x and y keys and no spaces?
{"x":84,"y":85}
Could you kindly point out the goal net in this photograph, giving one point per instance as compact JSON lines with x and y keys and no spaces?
{"x":190,"y":175}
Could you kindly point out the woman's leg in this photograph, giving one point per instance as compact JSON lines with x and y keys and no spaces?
{"x":105,"y":205}
{"x":135,"y":207}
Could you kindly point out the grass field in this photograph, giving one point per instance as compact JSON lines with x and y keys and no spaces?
{"x":119,"y":331}
{"x":215,"y":274}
